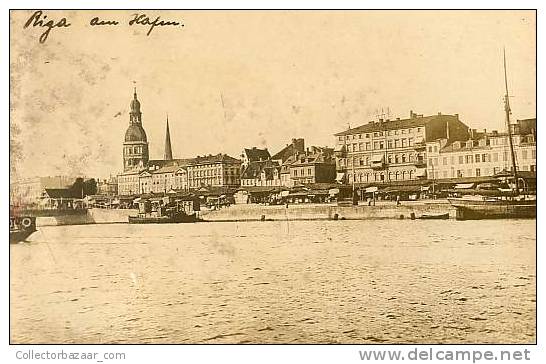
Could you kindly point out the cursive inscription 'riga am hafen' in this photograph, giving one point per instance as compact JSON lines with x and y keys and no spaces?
{"x":39,"y":19}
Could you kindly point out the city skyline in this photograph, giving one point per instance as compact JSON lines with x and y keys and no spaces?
{"x":284,"y":80}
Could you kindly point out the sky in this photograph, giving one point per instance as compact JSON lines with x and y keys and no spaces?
{"x":235,"y":79}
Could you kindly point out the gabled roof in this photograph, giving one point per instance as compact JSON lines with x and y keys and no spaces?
{"x":256,"y":154}
{"x":166,"y":169}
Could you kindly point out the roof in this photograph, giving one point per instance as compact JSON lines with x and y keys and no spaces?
{"x":254,"y":169}
{"x":256,"y":154}
{"x":296,"y":146}
{"x":166,"y":169}
{"x":396,"y":124}
{"x":62,"y":193}
{"x":162,"y":162}
{"x":209,"y":159}
{"x":311,"y":158}
{"x":135,"y":133}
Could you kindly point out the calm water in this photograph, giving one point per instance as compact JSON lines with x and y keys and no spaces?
{"x":277,"y":282}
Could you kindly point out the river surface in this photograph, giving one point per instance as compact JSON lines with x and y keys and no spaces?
{"x":385,"y":281}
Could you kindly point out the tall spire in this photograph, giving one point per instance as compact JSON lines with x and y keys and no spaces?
{"x":168,"y":150}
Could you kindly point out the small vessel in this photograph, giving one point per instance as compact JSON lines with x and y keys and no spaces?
{"x":150,"y":213}
{"x":177,"y":217}
{"x":444,"y":216}
{"x":20,"y":228}
{"x":513,"y":204}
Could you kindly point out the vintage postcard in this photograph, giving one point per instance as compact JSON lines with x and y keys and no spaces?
{"x":272,"y":177}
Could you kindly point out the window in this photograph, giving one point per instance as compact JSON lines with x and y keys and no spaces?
{"x":368,"y":146}
{"x":477,"y":156}
{"x":430,"y":148}
{"x":403,"y":158}
{"x":381,"y":145}
{"x":375,"y":145}
{"x":410,"y":142}
{"x":533,"y":154}
{"x":396,"y":143}
{"x":354,"y":147}
{"x":461,"y":159}
{"x":389,"y":144}
{"x":360,"y":147}
{"x":469,"y":159}
{"x":477,"y":172}
{"x":340,"y":138}
{"x":445,"y":161}
{"x":404,"y":142}
{"x":495,"y":157}
{"x":523,"y":154}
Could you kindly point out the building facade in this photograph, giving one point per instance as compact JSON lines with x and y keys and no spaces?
{"x":316,"y":165}
{"x":218,"y":170}
{"x":261,"y":173}
{"x":484,"y":154}
{"x":392,"y":150}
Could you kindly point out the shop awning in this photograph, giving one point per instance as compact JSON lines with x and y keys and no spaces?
{"x":461,"y":186}
{"x":371,"y":189}
{"x":340,"y":176}
{"x":421,"y":173}
{"x":378,"y":158}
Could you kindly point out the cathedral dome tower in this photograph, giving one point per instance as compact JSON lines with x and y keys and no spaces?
{"x":135,"y":146}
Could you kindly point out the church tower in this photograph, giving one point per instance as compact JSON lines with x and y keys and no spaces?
{"x":168,"y":156}
{"x":135,"y":147}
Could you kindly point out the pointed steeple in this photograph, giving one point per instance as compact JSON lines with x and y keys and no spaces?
{"x":168,"y":150}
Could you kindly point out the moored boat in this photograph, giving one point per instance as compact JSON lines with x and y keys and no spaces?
{"x":493,"y":208}
{"x":20,"y":228}
{"x":513,"y":204}
{"x":444,"y":216}
{"x":179,"y":217}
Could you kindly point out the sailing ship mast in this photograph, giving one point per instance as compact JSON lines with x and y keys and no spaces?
{"x":508,"y":112}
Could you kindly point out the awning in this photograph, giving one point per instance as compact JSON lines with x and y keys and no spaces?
{"x":340,"y":176}
{"x":371,"y":189}
{"x":378,"y":158}
{"x":137,"y":200}
{"x":461,"y":186}
{"x":421,"y":173}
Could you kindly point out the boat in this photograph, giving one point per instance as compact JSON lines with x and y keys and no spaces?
{"x":174,"y":218}
{"x":156,"y":213}
{"x":493,"y":208}
{"x":20,"y":228}
{"x":513,"y":204}
{"x":444,"y":216}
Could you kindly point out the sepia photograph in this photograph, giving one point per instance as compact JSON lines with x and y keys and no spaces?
{"x":272,"y":177}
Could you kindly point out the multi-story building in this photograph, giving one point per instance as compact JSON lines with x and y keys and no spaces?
{"x":483,"y":154}
{"x":316,"y":165}
{"x":390,"y":150}
{"x":219,"y":170}
{"x":107,"y":187}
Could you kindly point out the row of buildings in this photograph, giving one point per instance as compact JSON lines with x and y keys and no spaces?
{"x":418,"y":147}
{"x":383,"y":152}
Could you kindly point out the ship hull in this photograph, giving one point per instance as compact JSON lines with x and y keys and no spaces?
{"x":493,"y":209}
{"x":176,"y":219}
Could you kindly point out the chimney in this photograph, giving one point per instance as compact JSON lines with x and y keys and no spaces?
{"x":457,"y":116}
{"x":411,"y":114}
{"x":439,"y":113}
